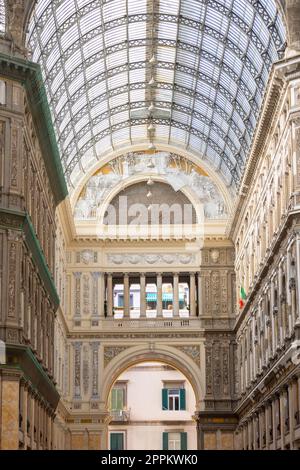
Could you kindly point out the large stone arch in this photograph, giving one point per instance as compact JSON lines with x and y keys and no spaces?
{"x":151,"y":352}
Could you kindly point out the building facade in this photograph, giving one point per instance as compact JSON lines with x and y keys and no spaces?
{"x":149,"y":212}
{"x":152,"y":407}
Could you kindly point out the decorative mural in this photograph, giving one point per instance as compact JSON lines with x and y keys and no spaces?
{"x":178,"y":172}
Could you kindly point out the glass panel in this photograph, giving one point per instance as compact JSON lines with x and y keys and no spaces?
{"x":213,"y":58}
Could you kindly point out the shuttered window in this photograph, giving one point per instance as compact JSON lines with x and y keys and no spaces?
{"x":117,"y":441}
{"x":173,"y":399}
{"x":174,"y":441}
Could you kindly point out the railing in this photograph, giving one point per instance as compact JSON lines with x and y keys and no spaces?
{"x":150,"y":323}
{"x":191,"y":323}
{"x":120,"y":415}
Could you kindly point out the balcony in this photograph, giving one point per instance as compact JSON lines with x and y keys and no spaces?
{"x":120,"y":415}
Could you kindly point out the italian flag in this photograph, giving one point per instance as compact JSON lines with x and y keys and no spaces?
{"x":243,"y":297}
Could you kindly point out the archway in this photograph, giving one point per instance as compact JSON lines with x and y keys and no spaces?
{"x":177,"y":358}
{"x":151,"y":407}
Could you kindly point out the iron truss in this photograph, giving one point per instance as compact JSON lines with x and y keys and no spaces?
{"x":212,"y":62}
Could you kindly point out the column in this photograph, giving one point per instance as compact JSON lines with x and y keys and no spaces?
{"x":175,"y":295}
{"x":261,"y":428}
{"x":192,"y":295}
{"x":274,"y":423}
{"x":142,"y":295}
{"x":31,"y":418}
{"x":25,"y":417}
{"x":267,"y":425}
{"x":273,"y":320}
{"x":109,"y":295}
{"x":102,"y":295}
{"x":292,"y":408}
{"x":280,"y":311}
{"x":255,"y":432}
{"x":298,"y":395}
{"x":282,"y":418}
{"x":199,"y":295}
{"x":126,"y":296}
{"x":244,"y":437}
{"x":9,"y":413}
{"x":159,"y":295}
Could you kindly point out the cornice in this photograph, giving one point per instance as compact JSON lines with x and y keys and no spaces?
{"x":15,"y":220}
{"x":26,"y":363}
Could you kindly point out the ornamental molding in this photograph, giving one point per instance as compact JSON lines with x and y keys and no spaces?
{"x":151,"y":258}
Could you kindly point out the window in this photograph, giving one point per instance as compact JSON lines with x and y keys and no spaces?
{"x":174,"y":441}
{"x":173,"y":399}
{"x":117,"y":398}
{"x":117,"y":441}
{"x":120,"y":300}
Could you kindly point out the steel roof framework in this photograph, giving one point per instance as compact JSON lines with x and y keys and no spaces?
{"x":212,"y":63}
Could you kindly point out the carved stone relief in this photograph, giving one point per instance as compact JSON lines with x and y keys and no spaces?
{"x":151,"y":259}
{"x":178,"y":172}
{"x":77,"y":372}
{"x":110,"y":352}
{"x":95,"y":366}
{"x":77,"y":293}
{"x":85,"y":369}
{"x":86,"y":294}
{"x":193,"y":351}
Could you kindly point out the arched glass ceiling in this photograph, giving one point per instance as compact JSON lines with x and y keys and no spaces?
{"x":201,"y":66}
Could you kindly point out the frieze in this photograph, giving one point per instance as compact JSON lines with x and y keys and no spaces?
{"x":151,"y":258}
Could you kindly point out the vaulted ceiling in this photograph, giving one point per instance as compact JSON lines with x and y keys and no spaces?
{"x":188,"y":73}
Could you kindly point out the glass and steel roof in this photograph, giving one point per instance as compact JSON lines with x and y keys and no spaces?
{"x":189,"y":73}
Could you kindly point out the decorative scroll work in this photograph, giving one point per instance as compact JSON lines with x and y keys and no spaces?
{"x":110,"y":352}
{"x":208,"y":367}
{"x":85,"y":369}
{"x":77,"y":371}
{"x":12,"y":270}
{"x":77,"y":293}
{"x":86,"y":294}
{"x":151,"y":258}
{"x":95,"y":277}
{"x":95,"y":365}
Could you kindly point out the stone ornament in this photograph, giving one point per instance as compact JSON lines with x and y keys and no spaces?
{"x":151,"y":259}
{"x":110,"y":352}
{"x":193,"y":351}
{"x":215,"y":255}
